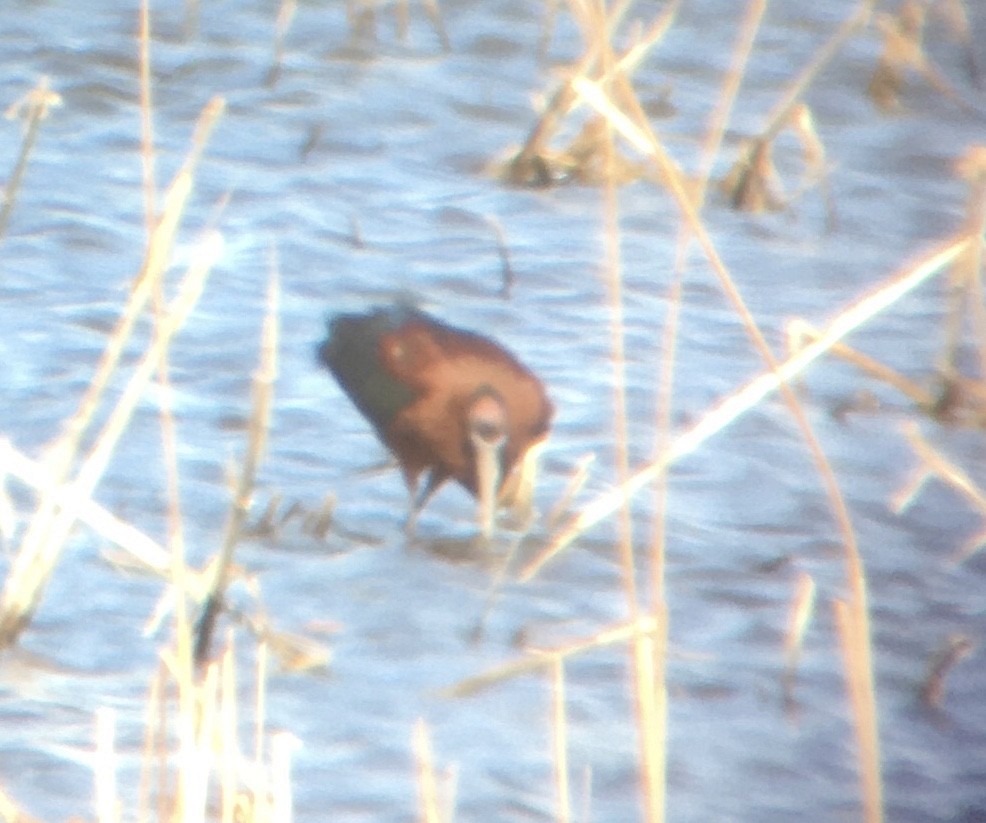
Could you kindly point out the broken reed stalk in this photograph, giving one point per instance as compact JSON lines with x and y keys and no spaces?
{"x":49,"y":526}
{"x":285,"y":14}
{"x":935,"y":464}
{"x":719,"y":118}
{"x":543,"y":659}
{"x":954,"y":650}
{"x":147,"y":280}
{"x":748,"y":396}
{"x":144,"y":550}
{"x":799,"y":330}
{"x":746,"y":165}
{"x":196,"y":753}
{"x":36,"y":103}
{"x":263,"y":391}
{"x":42,"y":545}
{"x":802,"y":606}
{"x":966,"y":286}
{"x":852,"y":614}
{"x":646,"y":141}
{"x":528,"y":165}
{"x":145,"y":555}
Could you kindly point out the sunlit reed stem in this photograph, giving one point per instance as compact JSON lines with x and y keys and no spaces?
{"x":748,"y":396}
{"x":107,"y":803}
{"x":560,"y":739}
{"x":263,"y":392}
{"x":39,"y":552}
{"x":147,"y":119}
{"x":229,"y":750}
{"x":427,"y":785}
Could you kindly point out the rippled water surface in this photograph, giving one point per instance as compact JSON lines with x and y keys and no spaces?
{"x":361,"y":171}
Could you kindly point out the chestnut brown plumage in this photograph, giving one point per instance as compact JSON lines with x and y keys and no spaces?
{"x":443,"y":400}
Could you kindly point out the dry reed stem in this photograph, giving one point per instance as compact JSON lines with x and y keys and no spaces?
{"x":852,"y":621}
{"x":650,"y":722}
{"x":285,"y":14}
{"x":966,"y":282}
{"x":543,"y":659}
{"x":864,"y":703}
{"x":151,"y":748}
{"x":748,"y":396}
{"x":144,"y":550}
{"x":780,"y":114}
{"x":147,"y":280}
{"x":104,"y":768}
{"x":954,"y":14}
{"x":260,"y":711}
{"x":935,"y":464}
{"x":575,"y":484}
{"x":614,"y":289}
{"x":281,"y":808}
{"x":903,"y":50}
{"x":955,"y":649}
{"x":801,"y":330}
{"x":647,"y":142}
{"x":719,"y":118}
{"x":147,"y":118}
{"x":34,"y":106}
{"x":10,"y":812}
{"x":48,"y":527}
{"x":529,"y":163}
{"x":8,"y":513}
{"x":151,"y":280}
{"x":802,"y":606}
{"x":263,"y":395}
{"x":229,"y":755}
{"x":434,"y":14}
{"x":559,"y":738}
{"x":427,"y":785}
{"x":42,"y":546}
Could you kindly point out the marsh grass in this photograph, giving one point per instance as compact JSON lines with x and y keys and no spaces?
{"x":194,"y":706}
{"x":602,"y":80}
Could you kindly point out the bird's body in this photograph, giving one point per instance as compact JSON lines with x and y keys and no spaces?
{"x":443,"y":400}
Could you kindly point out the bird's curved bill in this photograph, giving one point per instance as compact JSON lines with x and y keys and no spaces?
{"x":487,"y":481}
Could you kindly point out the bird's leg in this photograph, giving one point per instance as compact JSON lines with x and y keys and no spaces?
{"x":420,"y":499}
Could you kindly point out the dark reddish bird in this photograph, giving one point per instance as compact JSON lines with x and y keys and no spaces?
{"x":443,"y":400}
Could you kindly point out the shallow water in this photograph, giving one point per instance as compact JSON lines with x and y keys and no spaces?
{"x":362,"y":169}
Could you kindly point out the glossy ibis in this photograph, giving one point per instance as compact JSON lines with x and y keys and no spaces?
{"x":442,"y":399}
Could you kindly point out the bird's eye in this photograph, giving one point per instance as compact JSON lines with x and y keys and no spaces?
{"x":487,"y":430}
{"x":488,"y":419}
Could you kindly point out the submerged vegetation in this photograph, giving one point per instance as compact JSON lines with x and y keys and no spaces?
{"x":593,"y":129}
